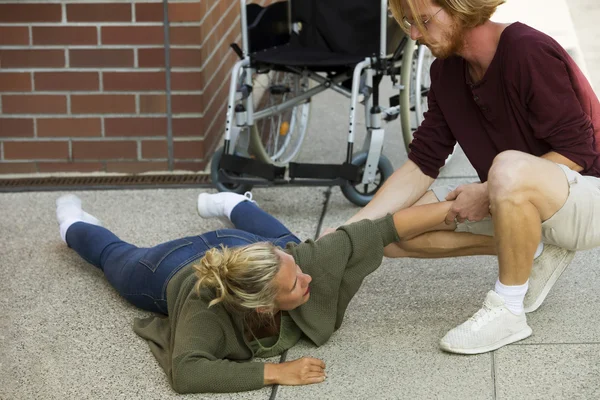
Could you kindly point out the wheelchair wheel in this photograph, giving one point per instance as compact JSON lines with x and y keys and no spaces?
{"x":420,"y":83}
{"x":221,"y":186}
{"x":360,"y":193}
{"x":278,"y":139}
{"x":417,"y":80}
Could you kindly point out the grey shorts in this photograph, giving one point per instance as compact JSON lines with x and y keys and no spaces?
{"x":576,"y":226}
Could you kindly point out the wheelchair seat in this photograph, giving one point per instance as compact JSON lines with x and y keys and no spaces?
{"x":294,"y":55}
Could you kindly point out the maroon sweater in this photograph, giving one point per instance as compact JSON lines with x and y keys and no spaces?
{"x":533,"y":98}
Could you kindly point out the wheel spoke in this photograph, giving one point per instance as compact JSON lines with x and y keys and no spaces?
{"x":282,"y":134}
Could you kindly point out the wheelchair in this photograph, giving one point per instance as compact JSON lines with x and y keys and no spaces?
{"x":293,"y":50}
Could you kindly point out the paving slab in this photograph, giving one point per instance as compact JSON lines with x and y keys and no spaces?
{"x":387,"y":346}
{"x":548,"y":372}
{"x":370,"y":369}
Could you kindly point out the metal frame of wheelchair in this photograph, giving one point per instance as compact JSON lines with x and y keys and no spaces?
{"x":231,"y":171}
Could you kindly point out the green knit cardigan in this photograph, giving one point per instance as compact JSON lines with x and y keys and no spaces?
{"x":204,"y":349}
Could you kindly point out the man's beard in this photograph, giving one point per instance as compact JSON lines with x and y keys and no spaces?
{"x":453,"y":43}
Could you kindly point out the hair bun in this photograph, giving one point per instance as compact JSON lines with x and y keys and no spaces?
{"x":223,"y":269}
{"x":215,"y":263}
{"x":242,"y":276}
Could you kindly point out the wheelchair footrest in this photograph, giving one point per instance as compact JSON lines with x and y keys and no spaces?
{"x":345,"y":171}
{"x":225,"y":177}
{"x":244,"y":165}
{"x":249,"y":167}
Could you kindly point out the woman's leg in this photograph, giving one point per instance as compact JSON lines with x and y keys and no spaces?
{"x":245,"y":215}
{"x":140,"y":275}
{"x":119,"y":261}
{"x":99,"y":246}
{"x":416,"y":220}
{"x":83,"y":233}
{"x":249,"y":217}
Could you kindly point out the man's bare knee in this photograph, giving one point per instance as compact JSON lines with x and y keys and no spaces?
{"x":508,"y":174}
{"x":521,"y":178}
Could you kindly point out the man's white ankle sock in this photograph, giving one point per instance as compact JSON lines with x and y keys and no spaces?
{"x":513,"y":295}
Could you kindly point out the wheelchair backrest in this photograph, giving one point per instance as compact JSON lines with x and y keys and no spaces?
{"x":340,"y":26}
{"x":337,"y":26}
{"x":268,"y":26}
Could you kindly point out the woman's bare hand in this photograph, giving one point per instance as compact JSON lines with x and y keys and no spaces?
{"x":303,"y":371}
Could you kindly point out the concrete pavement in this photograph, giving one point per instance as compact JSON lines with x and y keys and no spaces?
{"x":65,"y":334}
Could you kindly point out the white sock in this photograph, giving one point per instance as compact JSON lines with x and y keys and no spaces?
{"x":64,"y":227}
{"x":68,"y":211}
{"x":513,"y":295}
{"x":539,"y":250}
{"x":230,"y":202}
{"x":229,"y":206}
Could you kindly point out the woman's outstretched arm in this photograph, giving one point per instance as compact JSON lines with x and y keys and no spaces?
{"x":413,"y":221}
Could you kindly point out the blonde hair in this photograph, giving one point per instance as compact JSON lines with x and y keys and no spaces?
{"x":470,"y":13}
{"x":242,"y":276}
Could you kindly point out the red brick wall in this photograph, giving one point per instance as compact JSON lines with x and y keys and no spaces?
{"x":83,"y":84}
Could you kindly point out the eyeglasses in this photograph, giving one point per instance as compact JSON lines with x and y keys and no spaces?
{"x":407,"y":23}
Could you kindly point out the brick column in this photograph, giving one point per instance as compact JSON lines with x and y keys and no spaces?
{"x":83,"y":84}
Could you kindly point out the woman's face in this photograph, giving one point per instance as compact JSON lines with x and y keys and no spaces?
{"x":293,"y":284}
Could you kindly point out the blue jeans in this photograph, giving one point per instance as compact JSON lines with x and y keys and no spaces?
{"x":141,"y":275}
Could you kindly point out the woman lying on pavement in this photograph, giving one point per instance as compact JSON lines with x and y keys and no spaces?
{"x":231,"y":295}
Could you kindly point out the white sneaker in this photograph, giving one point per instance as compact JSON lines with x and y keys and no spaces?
{"x":546,"y":270}
{"x":490,"y":328}
{"x":220,"y":204}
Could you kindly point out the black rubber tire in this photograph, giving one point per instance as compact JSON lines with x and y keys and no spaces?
{"x":214,"y":176}
{"x":350,"y":190}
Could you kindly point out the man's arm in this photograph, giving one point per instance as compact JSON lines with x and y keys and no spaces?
{"x":401,"y":190}
{"x":432,"y":144}
{"x":555,"y":112}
